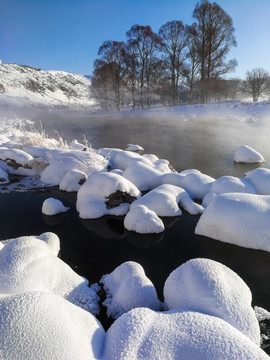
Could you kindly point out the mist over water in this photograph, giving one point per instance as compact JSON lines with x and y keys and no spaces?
{"x":206,"y":143}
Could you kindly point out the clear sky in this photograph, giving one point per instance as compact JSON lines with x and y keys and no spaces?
{"x":66,"y":34}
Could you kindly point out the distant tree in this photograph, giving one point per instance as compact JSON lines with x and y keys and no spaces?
{"x":255,"y":83}
{"x":192,"y":71}
{"x":173,"y":44}
{"x":143,"y":43}
{"x":111,"y":63}
{"x":214,"y":37}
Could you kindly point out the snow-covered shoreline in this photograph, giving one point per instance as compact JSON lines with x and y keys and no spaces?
{"x":112,"y":181}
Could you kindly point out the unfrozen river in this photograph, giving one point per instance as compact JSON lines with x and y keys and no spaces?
{"x":95,"y":247}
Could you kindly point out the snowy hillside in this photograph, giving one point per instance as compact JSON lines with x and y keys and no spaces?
{"x":20,"y":84}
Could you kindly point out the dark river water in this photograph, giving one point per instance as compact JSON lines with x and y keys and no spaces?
{"x":96,"y":247}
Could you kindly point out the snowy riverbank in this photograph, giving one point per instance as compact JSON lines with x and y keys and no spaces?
{"x":198,"y":296}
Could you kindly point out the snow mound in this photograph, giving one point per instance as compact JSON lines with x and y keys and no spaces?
{"x":127,"y":287}
{"x":3,"y":177}
{"x":40,"y":325}
{"x":53,"y":206}
{"x":30,"y":263}
{"x":229,"y":184}
{"x":144,"y":176}
{"x":134,"y":147}
{"x":246,"y":154}
{"x":165,"y":199}
{"x":145,"y":334}
{"x":105,"y":193}
{"x":260,"y":179}
{"x":143,"y":221}
{"x":240,"y":219}
{"x":62,"y":162}
{"x":15,"y":161}
{"x":193,"y":181}
{"x":72,"y":180}
{"x":209,"y":287}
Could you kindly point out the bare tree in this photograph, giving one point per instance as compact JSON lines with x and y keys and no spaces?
{"x":144,"y":44}
{"x":173,"y":45}
{"x":112,"y":64}
{"x":255,"y":83}
{"x":214,"y":37}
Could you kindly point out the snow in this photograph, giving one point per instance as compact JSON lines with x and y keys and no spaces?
{"x":145,"y":334}
{"x":164,"y":200}
{"x":237,"y":218}
{"x":209,"y":287}
{"x":228,"y":184}
{"x":143,"y":221}
{"x":260,"y":178}
{"x":26,"y":85}
{"x":261,"y":313}
{"x":30,"y":263}
{"x":3,"y":177}
{"x":196,"y":183}
{"x":72,"y":180}
{"x":64,"y":161}
{"x":127,"y":287}
{"x":134,"y":147}
{"x":53,"y":206}
{"x":92,"y":196}
{"x":41,"y":325}
{"x":246,"y":154}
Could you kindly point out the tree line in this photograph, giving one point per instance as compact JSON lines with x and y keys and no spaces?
{"x":180,"y":63}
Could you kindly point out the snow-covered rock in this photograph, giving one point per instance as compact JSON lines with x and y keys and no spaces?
{"x":145,"y":334}
{"x":134,"y":147}
{"x":3,"y":177}
{"x":246,"y":154}
{"x":236,"y":218}
{"x":228,"y":184}
{"x":63,"y":161}
{"x":40,"y":325}
{"x":30,"y":263}
{"x":143,"y":221}
{"x":105,"y":193}
{"x":127,"y":287}
{"x":144,"y":176}
{"x":194,"y":182}
{"x":260,"y":179}
{"x":15,"y":161}
{"x":209,"y":287}
{"x":72,"y":180}
{"x":165,"y":199}
{"x":53,"y":206}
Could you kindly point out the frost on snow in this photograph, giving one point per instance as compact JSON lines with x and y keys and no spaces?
{"x":127,"y":287}
{"x":41,"y":325}
{"x":246,"y":154}
{"x":53,"y":206}
{"x":209,"y":287}
{"x":172,"y":335}
{"x":236,"y":218}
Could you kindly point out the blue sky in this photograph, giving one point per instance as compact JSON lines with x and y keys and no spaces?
{"x":66,"y":34}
